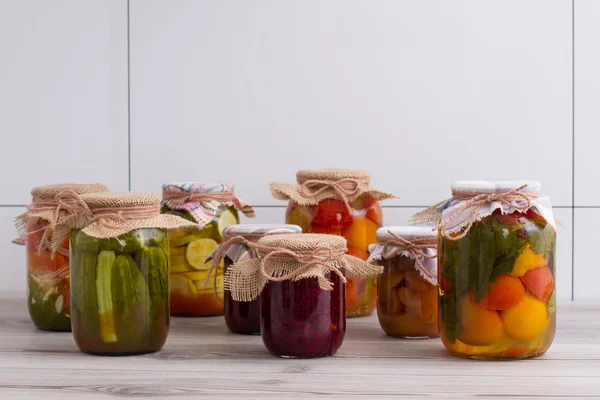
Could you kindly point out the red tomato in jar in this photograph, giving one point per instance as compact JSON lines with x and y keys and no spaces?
{"x":332,"y":212}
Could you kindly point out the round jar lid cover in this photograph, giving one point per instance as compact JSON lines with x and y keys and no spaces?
{"x":494,"y":186}
{"x":406,"y":232}
{"x":267,"y":229}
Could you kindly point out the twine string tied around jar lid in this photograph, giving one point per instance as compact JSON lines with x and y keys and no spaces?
{"x":108,"y":217}
{"x":516,"y":198}
{"x":345,"y":188}
{"x":416,"y":247}
{"x":186,"y":197}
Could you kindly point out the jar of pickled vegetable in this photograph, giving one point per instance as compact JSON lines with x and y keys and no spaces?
{"x":213,"y":206}
{"x":300,"y":279}
{"x":48,"y":288}
{"x":407,"y":293}
{"x":119,"y":270}
{"x":243,"y":317}
{"x":339,"y":202}
{"x":497,"y":270}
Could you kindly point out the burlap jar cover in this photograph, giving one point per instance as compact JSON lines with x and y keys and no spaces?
{"x":235,"y":243}
{"x":44,"y":206}
{"x":109,"y":215}
{"x":294,"y":257}
{"x":414,"y":242}
{"x":472,"y":201}
{"x":316,"y":185}
{"x":202,"y":200}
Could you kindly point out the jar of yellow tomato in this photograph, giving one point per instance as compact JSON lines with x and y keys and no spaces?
{"x":496,"y":270}
{"x":339,"y":202}
{"x":407,"y":293}
{"x":213,"y":206}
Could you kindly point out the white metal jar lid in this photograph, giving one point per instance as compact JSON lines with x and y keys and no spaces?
{"x":494,"y":186}
{"x":405,"y":232}
{"x":260,"y":229}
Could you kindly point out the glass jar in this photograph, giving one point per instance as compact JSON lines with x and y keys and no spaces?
{"x":497,"y":283}
{"x":48,"y":280}
{"x":243,"y":317}
{"x":188,"y":249}
{"x":48,"y":288}
{"x":359,"y":227}
{"x":213,"y":206}
{"x":298,"y":319}
{"x":407,"y":292}
{"x":120,"y":301}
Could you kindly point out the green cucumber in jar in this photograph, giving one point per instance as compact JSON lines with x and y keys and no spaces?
{"x":129,"y":297}
{"x":127,"y":243}
{"x":84,"y":282}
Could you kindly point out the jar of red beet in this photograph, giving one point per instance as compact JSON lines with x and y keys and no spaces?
{"x":301,"y":281}
{"x":407,"y":298}
{"x":243,"y":316}
{"x":339,"y":202}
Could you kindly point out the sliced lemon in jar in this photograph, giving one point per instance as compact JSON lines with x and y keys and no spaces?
{"x":179,"y":264}
{"x":198,"y":251}
{"x":182,"y":285}
{"x":227,"y":218}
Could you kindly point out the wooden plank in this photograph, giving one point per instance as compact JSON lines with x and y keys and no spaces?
{"x":202,"y":359}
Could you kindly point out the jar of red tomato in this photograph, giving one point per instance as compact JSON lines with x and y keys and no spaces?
{"x":243,"y":317}
{"x":48,"y":283}
{"x":496,"y":269}
{"x":301,"y":281}
{"x":339,"y":202}
{"x":407,"y":293}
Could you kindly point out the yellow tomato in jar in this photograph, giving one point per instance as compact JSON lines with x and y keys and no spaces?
{"x":527,"y":319}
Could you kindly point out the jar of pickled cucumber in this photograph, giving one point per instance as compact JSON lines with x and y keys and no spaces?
{"x":48,"y":284}
{"x":496,"y":269}
{"x":243,"y":317}
{"x":407,"y":293}
{"x":213,"y":206}
{"x":339,"y":202}
{"x":119,"y":270}
{"x":300,"y":279}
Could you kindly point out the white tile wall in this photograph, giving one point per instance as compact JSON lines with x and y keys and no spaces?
{"x":420,"y":93}
{"x":455,"y":88}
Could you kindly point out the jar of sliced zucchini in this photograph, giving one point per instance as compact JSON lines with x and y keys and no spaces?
{"x":213,"y":206}
{"x":119,"y":271}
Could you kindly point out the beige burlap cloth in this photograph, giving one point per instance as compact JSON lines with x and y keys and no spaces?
{"x":294,"y":257}
{"x":316,"y":185}
{"x":45,"y":207}
{"x":109,"y":215}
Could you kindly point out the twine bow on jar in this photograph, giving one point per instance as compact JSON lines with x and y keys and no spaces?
{"x":517,"y":198}
{"x":345,"y":188}
{"x":416,"y":248}
{"x":186,"y":197}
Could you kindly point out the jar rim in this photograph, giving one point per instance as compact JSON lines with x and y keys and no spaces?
{"x":494,"y":186}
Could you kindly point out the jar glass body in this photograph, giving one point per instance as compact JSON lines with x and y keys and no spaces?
{"x":497,"y":288}
{"x":359,"y":228}
{"x":48,"y":286}
{"x":120,"y":286}
{"x":407,"y":304}
{"x":301,"y":320}
{"x":188,"y":248}
{"x":241,"y":317}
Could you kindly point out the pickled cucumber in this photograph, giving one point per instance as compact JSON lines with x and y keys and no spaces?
{"x":153,"y":266}
{"x":104,"y":283}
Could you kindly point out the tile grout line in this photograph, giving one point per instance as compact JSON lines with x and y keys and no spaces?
{"x":573,"y":150}
{"x":128,"y":103}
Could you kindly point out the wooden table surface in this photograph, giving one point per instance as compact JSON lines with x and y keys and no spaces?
{"x":201,"y":359}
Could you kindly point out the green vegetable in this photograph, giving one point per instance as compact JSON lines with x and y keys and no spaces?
{"x":127,"y":243}
{"x":46,"y":307}
{"x":489,"y":250}
{"x":84,"y":283}
{"x":154,"y":268}
{"x":129,"y":296}
{"x":106,"y":259}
